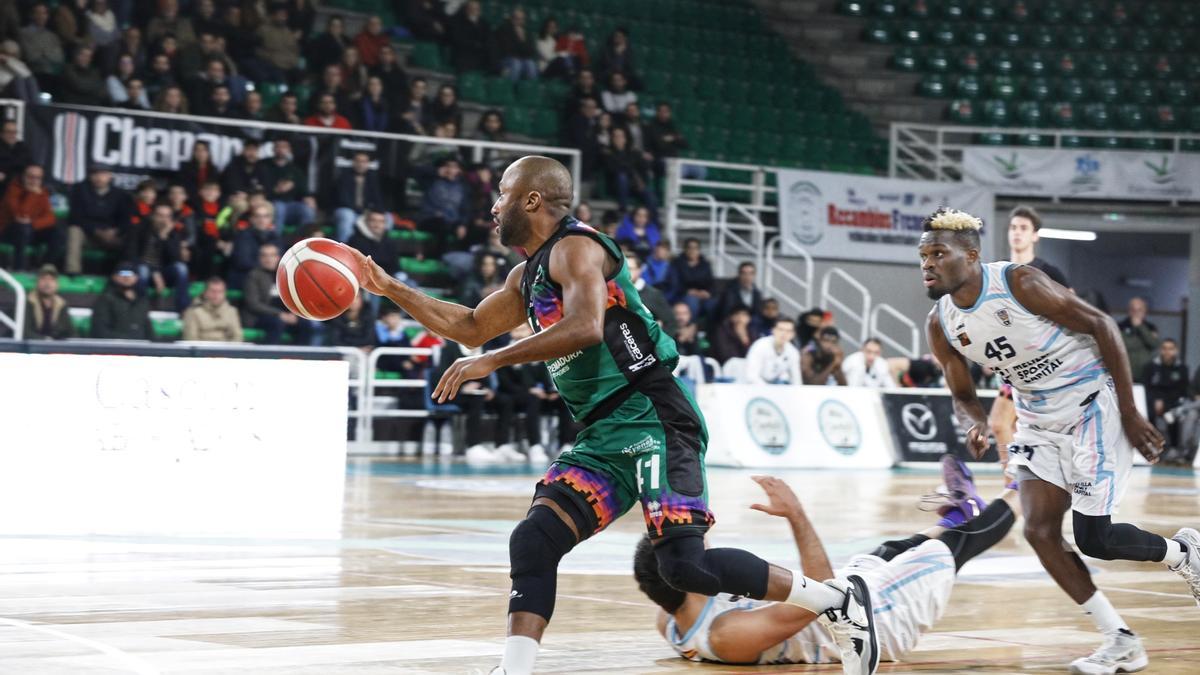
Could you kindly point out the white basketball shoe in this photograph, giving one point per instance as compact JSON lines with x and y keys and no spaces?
{"x":1122,"y":652}
{"x":1189,"y":569}
{"x":853,"y":626}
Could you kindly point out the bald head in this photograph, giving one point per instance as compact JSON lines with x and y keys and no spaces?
{"x":548,"y":177}
{"x":535,"y":194}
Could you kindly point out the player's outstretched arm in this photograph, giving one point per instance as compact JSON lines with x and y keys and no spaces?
{"x":1039,"y":294}
{"x":578,"y":264}
{"x":498,"y":313}
{"x":962,"y":386}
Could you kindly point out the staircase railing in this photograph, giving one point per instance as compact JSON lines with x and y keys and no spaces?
{"x":910,"y":347}
{"x":857,"y":313}
{"x":793,"y":291}
{"x":16,"y":321}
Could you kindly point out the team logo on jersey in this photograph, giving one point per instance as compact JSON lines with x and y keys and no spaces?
{"x":1002,"y":315}
{"x":963,"y":339}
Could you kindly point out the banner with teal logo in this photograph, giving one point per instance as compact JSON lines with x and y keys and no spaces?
{"x":1084,"y":174}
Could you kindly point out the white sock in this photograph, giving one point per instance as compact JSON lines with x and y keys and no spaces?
{"x":519,"y":654}
{"x":1175,"y":553}
{"x":812,"y":595}
{"x":1104,"y":614}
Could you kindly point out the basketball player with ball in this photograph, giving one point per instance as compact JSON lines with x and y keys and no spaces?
{"x":644,"y":437}
{"x":1077,"y":426}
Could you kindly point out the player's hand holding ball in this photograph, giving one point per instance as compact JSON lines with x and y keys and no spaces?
{"x":977,"y":440}
{"x":371,"y":277}
{"x":1142,"y":435}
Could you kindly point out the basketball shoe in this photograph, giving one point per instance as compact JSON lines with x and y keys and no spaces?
{"x":1189,"y":569}
{"x":957,"y":501}
{"x":1122,"y":652}
{"x":853,"y":626}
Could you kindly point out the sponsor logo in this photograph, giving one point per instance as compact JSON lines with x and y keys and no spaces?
{"x":839,"y":426}
{"x":646,"y":445}
{"x":654,"y":509}
{"x":919,"y":421}
{"x":1008,"y":168}
{"x":805,"y":211}
{"x":853,"y":198}
{"x":1002,"y":315}
{"x":767,"y":426}
{"x":631,"y":344}
{"x":963,"y":339}
{"x":1161,"y":173}
{"x":1083,"y":488}
{"x":562,"y":364}
{"x":1087,"y":174}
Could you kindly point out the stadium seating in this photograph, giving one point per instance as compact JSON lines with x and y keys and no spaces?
{"x":735,"y":95}
{"x":1142,"y":57}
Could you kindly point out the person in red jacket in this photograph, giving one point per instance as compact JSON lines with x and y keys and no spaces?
{"x":26,"y":218}
{"x":370,"y":41}
{"x":327,"y":115}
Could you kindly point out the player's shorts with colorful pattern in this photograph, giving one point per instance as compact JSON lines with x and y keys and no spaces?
{"x":649,"y":450}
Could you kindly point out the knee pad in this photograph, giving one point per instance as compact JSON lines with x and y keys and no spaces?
{"x":536,"y":546}
{"x":1091,"y":535}
{"x":680,"y":562}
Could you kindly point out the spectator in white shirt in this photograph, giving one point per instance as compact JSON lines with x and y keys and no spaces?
{"x":868,"y":368}
{"x":774,"y":359}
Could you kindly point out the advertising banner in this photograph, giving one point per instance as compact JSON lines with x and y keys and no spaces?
{"x":1081,"y":173}
{"x":852,"y":217}
{"x":172,"y":446}
{"x":794,"y":427}
{"x":924,"y":427}
{"x":137,"y":146}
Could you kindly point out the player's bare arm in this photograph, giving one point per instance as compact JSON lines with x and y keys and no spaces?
{"x":578,"y":264}
{"x":1039,"y":294}
{"x":962,"y":386}
{"x":496,"y":314}
{"x":740,"y":637}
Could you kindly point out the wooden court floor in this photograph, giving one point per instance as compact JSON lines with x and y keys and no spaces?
{"x":418,"y":584}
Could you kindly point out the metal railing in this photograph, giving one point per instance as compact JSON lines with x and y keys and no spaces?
{"x":372,"y":384}
{"x":935,"y":151}
{"x":15,"y":322}
{"x":725,"y":235}
{"x":848,"y":312}
{"x":686,"y":192}
{"x":913,"y":347}
{"x":796,"y":296}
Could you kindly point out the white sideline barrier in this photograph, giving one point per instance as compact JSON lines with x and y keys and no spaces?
{"x":172,"y":446}
{"x":803,"y":427}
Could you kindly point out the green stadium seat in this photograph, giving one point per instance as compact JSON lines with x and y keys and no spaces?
{"x":1098,"y":66}
{"x":852,"y":7}
{"x":1072,"y":89}
{"x":1108,"y":142}
{"x":918,"y":9}
{"x":910,"y":33}
{"x":1075,"y":38}
{"x":1193,"y":123}
{"x":937,"y":60}
{"x":1175,"y":41}
{"x":933,"y":85}
{"x":963,"y":111}
{"x":905,"y":59}
{"x":427,"y":55}
{"x":1002,"y":87}
{"x":1085,"y":14}
{"x":992,"y":138}
{"x":1118,"y":14}
{"x":1034,"y":64}
{"x":976,"y":35}
{"x":517,"y":120}
{"x":1041,"y":37}
{"x":996,"y":113}
{"x":1176,"y":92}
{"x":1153,"y":144}
{"x":1108,"y":91}
{"x":471,"y":87}
{"x":887,"y":9}
{"x":944,"y":34}
{"x":1097,"y":116}
{"x":167,"y":329}
{"x":1132,"y":117}
{"x":1131,"y":68}
{"x":531,"y":93}
{"x":1053,"y":12}
{"x":1190,"y":145}
{"x":1038,"y":89}
{"x":499,"y":91}
{"x":968,"y":86}
{"x":1072,"y":141}
{"x":1008,"y":36}
{"x":954,"y":10}
{"x":1066,"y":65}
{"x":986,"y":11}
{"x":1141,"y":91}
{"x":1035,"y":140}
{"x":1002,"y":63}
{"x":1018,"y":12}
{"x":544,"y":123}
{"x":1029,"y":114}
{"x":1162,"y":67}
{"x":1141,"y":40}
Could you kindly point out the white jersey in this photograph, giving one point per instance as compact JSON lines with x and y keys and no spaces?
{"x":764,"y":365}
{"x":908,"y":594}
{"x":1051,"y":369}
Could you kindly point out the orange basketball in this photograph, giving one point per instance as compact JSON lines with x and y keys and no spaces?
{"x":317,"y":279}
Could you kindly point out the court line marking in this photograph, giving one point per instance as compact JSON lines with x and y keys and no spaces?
{"x":488,"y":589}
{"x":1184,"y":596}
{"x":132,"y":662}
